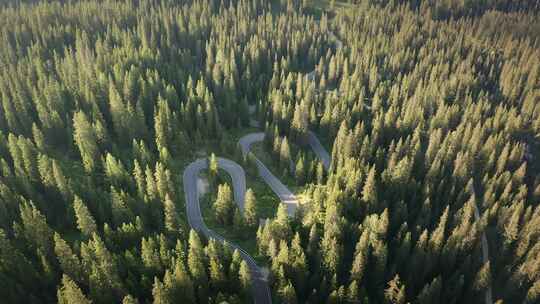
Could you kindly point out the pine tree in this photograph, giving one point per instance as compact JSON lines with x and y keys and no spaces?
{"x":139,"y":179}
{"x":299,"y":123}
{"x":61,"y":181}
{"x":104,"y":279}
{"x":217,"y":275}
{"x":298,"y":264}
{"x":150,"y":255}
{"x":288,"y":294}
{"x":119,"y":208}
{"x":431,"y":292}
{"x":213,"y":169}
{"x":162,"y":178}
{"x":483,"y":278}
{"x":395,"y":293}
{"x":353,"y":295}
{"x":129,"y":299}
{"x":196,"y":259}
{"x":183,"y":286}
{"x":369,"y":191}
{"x":359,"y":265}
{"x":70,"y":293}
{"x":238,"y":221}
{"x":163,"y":124}
{"x":115,"y":171}
{"x":85,"y":220}
{"x":35,"y":229}
{"x":251,"y":215}
{"x":224,"y":206}
{"x":245,"y":276}
{"x":159,"y":293}
{"x":172,"y":220}
{"x":86,"y":141}
{"x":119,"y":113}
{"x":39,"y":138}
{"x":69,"y":261}
{"x":533,"y":294}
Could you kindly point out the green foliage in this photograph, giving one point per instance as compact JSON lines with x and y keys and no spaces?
{"x":224,"y":206}
{"x":430,"y":107}
{"x":70,"y":293}
{"x":85,"y":220}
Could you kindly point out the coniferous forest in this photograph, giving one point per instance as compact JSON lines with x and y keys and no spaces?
{"x":196,"y":151}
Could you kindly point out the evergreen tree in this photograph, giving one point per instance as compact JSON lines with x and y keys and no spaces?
{"x":160,"y":293}
{"x":213,"y":169}
{"x":483,"y":278}
{"x":85,"y":221}
{"x":70,"y":293}
{"x":183,"y":286}
{"x":172,"y":221}
{"x":285,"y":154}
{"x":395,"y":293}
{"x":196,"y":260}
{"x":369,"y":191}
{"x":68,"y":260}
{"x":299,"y":123}
{"x":129,"y":299}
{"x":250,"y":210}
{"x":86,"y":141}
{"x":288,"y":294}
{"x":245,"y":276}
{"x":224,"y":206}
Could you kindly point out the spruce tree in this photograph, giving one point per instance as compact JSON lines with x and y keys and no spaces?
{"x":85,"y":221}
{"x":70,"y":293}
{"x":224,"y":206}
{"x":86,"y":141}
{"x":251,"y":215}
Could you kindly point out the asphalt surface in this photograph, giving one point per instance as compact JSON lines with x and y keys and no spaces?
{"x":259,"y":285}
{"x":319,"y":150}
{"x":259,"y":288}
{"x":284,"y":194}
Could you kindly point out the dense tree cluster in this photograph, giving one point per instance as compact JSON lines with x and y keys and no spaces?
{"x":98,"y":102}
{"x":435,"y":129}
{"x":446,"y":9}
{"x":432,"y":110}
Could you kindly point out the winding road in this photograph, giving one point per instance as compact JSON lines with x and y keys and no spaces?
{"x":319,"y":150}
{"x":284,"y":194}
{"x":259,"y":285}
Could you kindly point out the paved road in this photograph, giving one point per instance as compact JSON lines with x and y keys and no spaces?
{"x":284,"y":194}
{"x":319,"y":150}
{"x":259,"y":287}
